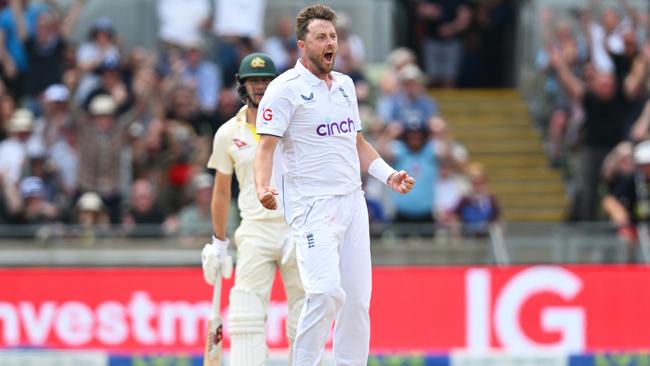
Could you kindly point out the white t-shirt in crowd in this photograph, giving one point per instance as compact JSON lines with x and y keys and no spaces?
{"x":234,"y":150}
{"x":180,"y":20}
{"x":14,"y":158}
{"x":318,"y":127}
{"x":448,"y":193}
{"x":602,"y":42}
{"x":243,"y":18}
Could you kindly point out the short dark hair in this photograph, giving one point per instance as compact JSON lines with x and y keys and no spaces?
{"x":310,"y":13}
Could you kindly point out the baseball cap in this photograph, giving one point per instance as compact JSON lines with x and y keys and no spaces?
{"x":642,"y":152}
{"x":416,"y":126}
{"x":194,"y":43}
{"x":108,"y":64}
{"x":203,"y":180}
{"x":410,"y":72}
{"x":21,"y":121}
{"x":103,"y":24}
{"x":56,"y":93}
{"x":32,"y":187}
{"x":89,"y":201}
{"x":400,"y":56}
{"x":102,"y":105}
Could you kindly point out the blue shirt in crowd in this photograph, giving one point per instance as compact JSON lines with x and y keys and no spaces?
{"x":410,"y":112}
{"x":423,"y":166}
{"x":12,"y":40}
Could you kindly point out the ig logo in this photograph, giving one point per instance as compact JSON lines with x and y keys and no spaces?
{"x":505,"y":321}
{"x":267,"y":114}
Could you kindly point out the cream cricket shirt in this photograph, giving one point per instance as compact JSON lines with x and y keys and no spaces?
{"x":234,"y":149}
{"x":318,"y":127}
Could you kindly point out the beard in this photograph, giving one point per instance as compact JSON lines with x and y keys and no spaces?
{"x":317,"y":60}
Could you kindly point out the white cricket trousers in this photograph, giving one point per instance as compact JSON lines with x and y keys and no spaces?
{"x":333,"y":250}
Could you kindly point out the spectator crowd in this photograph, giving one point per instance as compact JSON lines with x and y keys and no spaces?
{"x":100,"y":139}
{"x":594,"y":65}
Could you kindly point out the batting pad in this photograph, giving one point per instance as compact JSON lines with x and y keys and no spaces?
{"x":246,"y":324}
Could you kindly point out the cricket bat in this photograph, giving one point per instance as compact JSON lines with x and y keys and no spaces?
{"x":214,"y":341}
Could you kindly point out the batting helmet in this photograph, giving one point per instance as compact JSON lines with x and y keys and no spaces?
{"x":254,"y":65}
{"x":257,"y":64}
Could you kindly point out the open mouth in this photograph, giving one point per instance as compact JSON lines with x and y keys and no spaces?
{"x":329,"y":55}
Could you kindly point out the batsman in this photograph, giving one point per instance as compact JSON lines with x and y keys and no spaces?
{"x":263,"y":238}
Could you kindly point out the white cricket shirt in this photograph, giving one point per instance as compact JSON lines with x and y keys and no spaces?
{"x":233,"y":149}
{"x":318,"y":129}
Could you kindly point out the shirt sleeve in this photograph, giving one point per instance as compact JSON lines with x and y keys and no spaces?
{"x":220,"y":158}
{"x":275,"y":111}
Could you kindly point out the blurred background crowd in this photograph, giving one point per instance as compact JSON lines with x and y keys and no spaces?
{"x":592,"y":104}
{"x":97,"y":134}
{"x":107,"y":139}
{"x":102,"y":137}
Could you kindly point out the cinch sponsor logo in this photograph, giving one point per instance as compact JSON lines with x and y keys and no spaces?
{"x":335,"y":128}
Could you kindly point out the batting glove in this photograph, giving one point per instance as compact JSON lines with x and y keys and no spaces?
{"x":215,"y":260}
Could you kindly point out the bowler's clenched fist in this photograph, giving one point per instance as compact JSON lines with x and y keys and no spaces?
{"x":266,"y":196}
{"x":401,"y":182}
